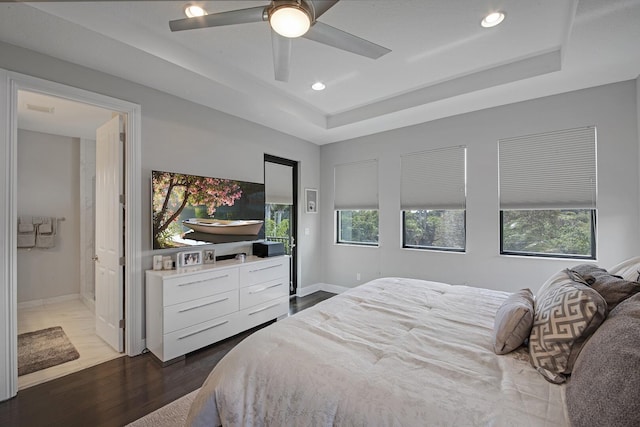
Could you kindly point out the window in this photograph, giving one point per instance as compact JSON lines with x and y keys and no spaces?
{"x":358,"y":227}
{"x":356,"y":203}
{"x":548,"y":194}
{"x":434,"y":229}
{"x":433,"y":198}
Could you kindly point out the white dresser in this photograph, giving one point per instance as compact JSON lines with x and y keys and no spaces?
{"x":193,"y":307}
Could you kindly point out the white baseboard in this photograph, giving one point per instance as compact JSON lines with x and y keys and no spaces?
{"x":334,"y":289}
{"x":308,"y":290}
{"x":46,"y":301}
{"x":90,"y":303}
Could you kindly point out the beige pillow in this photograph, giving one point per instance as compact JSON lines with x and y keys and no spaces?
{"x":513,"y":322}
{"x":565,"y":316}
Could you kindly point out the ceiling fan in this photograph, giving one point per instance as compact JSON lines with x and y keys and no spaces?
{"x":289,"y":19}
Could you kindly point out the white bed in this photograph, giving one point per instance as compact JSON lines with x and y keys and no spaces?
{"x":392,"y":352}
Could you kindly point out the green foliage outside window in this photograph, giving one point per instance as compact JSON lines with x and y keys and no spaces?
{"x":549,"y":232}
{"x":434,"y":229}
{"x":358,"y":227}
{"x":277,"y":224}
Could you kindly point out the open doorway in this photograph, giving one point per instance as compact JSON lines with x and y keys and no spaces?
{"x":281,"y":208}
{"x":10,"y":84}
{"x":56,"y":189}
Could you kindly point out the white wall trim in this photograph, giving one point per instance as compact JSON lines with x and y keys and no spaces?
{"x":8,"y":299}
{"x":47,"y":301}
{"x":326,"y":287}
{"x":10,"y":83}
{"x":334,"y":289}
{"x":303,"y":291}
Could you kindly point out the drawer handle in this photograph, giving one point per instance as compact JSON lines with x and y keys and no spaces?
{"x":203,"y":305}
{"x":263,"y":309}
{"x":257,"y":291}
{"x":265,"y":268}
{"x":205,"y":280}
{"x":202,"y":330}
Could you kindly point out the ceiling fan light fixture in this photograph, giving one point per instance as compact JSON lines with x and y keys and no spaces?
{"x":193,"y":10}
{"x":290,"y":20}
{"x":492,"y":19}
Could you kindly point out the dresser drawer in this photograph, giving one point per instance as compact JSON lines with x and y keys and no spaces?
{"x":260,"y":272}
{"x":264,"y":312}
{"x":179,"y":316}
{"x":186,"y":288}
{"x":262,"y":292}
{"x":186,"y":340}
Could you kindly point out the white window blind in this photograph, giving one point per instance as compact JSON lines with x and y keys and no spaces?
{"x":356,"y":185}
{"x":278,"y":182}
{"x":554,"y":170}
{"x":434,"y":179}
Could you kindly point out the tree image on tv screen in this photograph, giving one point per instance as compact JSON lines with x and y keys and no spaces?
{"x":172,"y":192}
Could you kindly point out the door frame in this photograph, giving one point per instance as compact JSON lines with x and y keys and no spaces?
{"x":294,"y":214}
{"x":10,"y":84}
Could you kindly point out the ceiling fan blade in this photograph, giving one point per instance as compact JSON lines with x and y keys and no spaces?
{"x":240,"y":16}
{"x":326,"y":34}
{"x":281,"y":56}
{"x":321,"y":6}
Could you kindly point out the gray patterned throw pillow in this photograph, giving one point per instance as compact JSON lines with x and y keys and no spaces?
{"x":565,"y":316}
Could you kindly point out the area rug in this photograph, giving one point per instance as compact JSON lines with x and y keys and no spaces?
{"x":171,"y":415}
{"x":43,"y":349}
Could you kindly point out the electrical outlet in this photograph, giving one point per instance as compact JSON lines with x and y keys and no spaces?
{"x":357,"y":276}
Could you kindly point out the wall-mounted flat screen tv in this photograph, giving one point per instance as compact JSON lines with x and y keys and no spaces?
{"x":195,"y":210}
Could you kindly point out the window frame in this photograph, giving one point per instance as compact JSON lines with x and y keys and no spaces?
{"x":435,"y":248}
{"x":338,"y":241}
{"x":592,"y":256}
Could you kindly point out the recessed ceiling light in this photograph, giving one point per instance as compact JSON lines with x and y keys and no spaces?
{"x":318,"y":86}
{"x":492,"y":19}
{"x":193,"y":10}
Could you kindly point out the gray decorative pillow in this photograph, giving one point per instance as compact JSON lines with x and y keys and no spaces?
{"x":614,"y":289}
{"x":513,"y":322}
{"x":603,"y":389}
{"x":566,"y":315}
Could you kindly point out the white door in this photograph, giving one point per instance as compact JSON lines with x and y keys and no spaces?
{"x":109,"y":234}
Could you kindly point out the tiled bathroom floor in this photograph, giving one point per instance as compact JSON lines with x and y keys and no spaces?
{"x":78,"y":323}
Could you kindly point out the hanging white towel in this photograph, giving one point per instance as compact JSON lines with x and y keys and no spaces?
{"x":25,"y":227}
{"x":45,"y":237}
{"x":45,"y":227}
{"x":26,"y":232}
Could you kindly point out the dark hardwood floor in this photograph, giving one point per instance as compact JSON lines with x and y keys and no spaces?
{"x":122,"y":390}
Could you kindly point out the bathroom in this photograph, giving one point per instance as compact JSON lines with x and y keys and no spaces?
{"x":56,"y":171}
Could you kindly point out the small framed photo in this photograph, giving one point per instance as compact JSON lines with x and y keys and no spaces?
{"x":311,"y":200}
{"x":190,"y":258}
{"x":209,"y":256}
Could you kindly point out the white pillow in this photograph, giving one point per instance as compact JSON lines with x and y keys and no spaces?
{"x":628,"y":270}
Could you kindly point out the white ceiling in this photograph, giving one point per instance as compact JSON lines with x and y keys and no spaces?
{"x":57,"y":116}
{"x":442,"y":62}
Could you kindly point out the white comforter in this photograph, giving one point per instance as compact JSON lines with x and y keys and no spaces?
{"x":392,"y":352}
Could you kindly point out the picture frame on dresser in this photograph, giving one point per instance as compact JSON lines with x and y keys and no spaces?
{"x":189,"y":258}
{"x":209,"y":256}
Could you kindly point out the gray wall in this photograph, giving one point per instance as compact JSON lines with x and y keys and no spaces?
{"x":49,"y":185}
{"x":181,"y":136}
{"x":611,"y":108}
